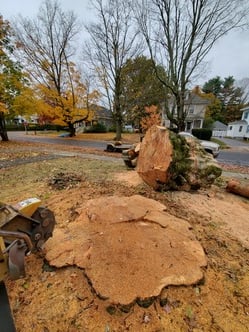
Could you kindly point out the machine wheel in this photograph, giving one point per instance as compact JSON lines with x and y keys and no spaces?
{"x":131,"y":163}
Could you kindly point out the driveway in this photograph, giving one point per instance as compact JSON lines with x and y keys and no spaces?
{"x":237,"y":154}
{"x":236,"y":143}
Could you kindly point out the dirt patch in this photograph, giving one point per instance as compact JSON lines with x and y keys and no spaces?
{"x":63,"y":180}
{"x":129,"y":177}
{"x":62,"y":299}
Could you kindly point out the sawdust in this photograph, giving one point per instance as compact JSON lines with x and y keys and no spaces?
{"x":63,"y":299}
{"x":130,"y":177}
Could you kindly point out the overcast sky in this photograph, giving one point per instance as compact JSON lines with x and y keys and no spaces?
{"x":230,"y":57}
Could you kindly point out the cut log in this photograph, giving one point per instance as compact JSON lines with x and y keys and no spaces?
{"x":169,"y":161}
{"x":236,"y":187}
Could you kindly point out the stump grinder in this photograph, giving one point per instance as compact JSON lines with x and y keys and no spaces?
{"x":24,"y":228}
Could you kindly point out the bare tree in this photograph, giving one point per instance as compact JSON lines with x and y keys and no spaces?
{"x":179,"y":35}
{"x":46,"y":46}
{"x":243,"y":84}
{"x":112,"y":42}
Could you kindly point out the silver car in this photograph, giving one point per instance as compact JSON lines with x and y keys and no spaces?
{"x":208,"y":146}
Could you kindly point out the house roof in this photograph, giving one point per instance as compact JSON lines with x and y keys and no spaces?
{"x":101,"y":112}
{"x":245,"y":109}
{"x":219,"y":125}
{"x":194,"y":99}
{"x":239,"y":122}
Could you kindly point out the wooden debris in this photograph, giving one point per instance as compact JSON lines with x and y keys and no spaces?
{"x":234,"y":186}
{"x":168,"y":161}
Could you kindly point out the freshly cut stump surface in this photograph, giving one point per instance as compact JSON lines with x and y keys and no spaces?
{"x":129,"y":247}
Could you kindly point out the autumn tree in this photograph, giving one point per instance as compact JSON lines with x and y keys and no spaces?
{"x":151,"y":117}
{"x":73,"y":104}
{"x":46,"y":46}
{"x":140,"y":88}
{"x":24,"y":103}
{"x":112,"y":42}
{"x":229,"y":99}
{"x":180,"y":33}
{"x":11,"y":78}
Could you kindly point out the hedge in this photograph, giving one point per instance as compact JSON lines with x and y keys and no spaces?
{"x":96,"y":128}
{"x":202,"y":133}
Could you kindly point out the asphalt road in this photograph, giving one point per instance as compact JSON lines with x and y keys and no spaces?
{"x":236,"y":143}
{"x":233,"y":157}
{"x":238,"y":154}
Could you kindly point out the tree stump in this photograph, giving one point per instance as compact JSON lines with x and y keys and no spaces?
{"x":129,"y":248}
{"x":168,"y":161}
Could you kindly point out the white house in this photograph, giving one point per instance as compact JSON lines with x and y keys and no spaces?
{"x":19,"y":119}
{"x":219,"y":129}
{"x":195,"y":108}
{"x":240,"y":129}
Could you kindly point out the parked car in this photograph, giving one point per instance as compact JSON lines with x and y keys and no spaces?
{"x":208,"y":146}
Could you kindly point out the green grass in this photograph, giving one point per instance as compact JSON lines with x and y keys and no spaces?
{"x":31,"y":180}
{"x":222,"y":144}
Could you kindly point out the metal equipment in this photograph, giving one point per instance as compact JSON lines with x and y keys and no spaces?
{"x":24,"y":228}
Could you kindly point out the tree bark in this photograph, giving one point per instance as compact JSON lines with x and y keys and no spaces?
{"x":71,"y":129}
{"x":168,"y":161}
{"x":3,"y":130}
{"x":236,"y":187}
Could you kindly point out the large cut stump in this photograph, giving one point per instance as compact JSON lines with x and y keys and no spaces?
{"x":169,"y":161}
{"x":129,"y":247}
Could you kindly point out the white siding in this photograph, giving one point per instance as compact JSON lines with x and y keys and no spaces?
{"x":219,"y":133}
{"x":247,"y":132}
{"x":236,"y":130}
{"x":245,"y":116}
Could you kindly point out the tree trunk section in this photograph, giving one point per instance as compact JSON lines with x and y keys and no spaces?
{"x":3,"y":130}
{"x":236,"y":187}
{"x":118,"y":136}
{"x":72,"y":131}
{"x":168,"y":161}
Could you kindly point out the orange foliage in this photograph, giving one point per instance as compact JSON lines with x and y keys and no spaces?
{"x":70,"y":105}
{"x":153,"y":117}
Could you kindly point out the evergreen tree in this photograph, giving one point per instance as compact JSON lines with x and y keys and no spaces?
{"x":140,"y":88}
{"x":228,"y":99}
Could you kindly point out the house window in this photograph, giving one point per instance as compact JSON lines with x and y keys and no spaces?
{"x":246,"y":115}
{"x":247,"y":129}
{"x":231,"y":127}
{"x":191,"y":110}
{"x":240,"y":128}
{"x":197,"y":124}
{"x":189,"y":125}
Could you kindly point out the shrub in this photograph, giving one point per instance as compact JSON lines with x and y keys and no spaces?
{"x":202,"y":133}
{"x":34,"y":126}
{"x":112,"y":129}
{"x":96,"y":128}
{"x":14,"y":127}
{"x":39,"y":127}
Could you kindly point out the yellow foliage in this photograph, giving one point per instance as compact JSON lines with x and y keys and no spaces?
{"x":70,"y":105}
{"x":26,"y":102}
{"x":59,"y":122}
{"x":3,"y":108}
